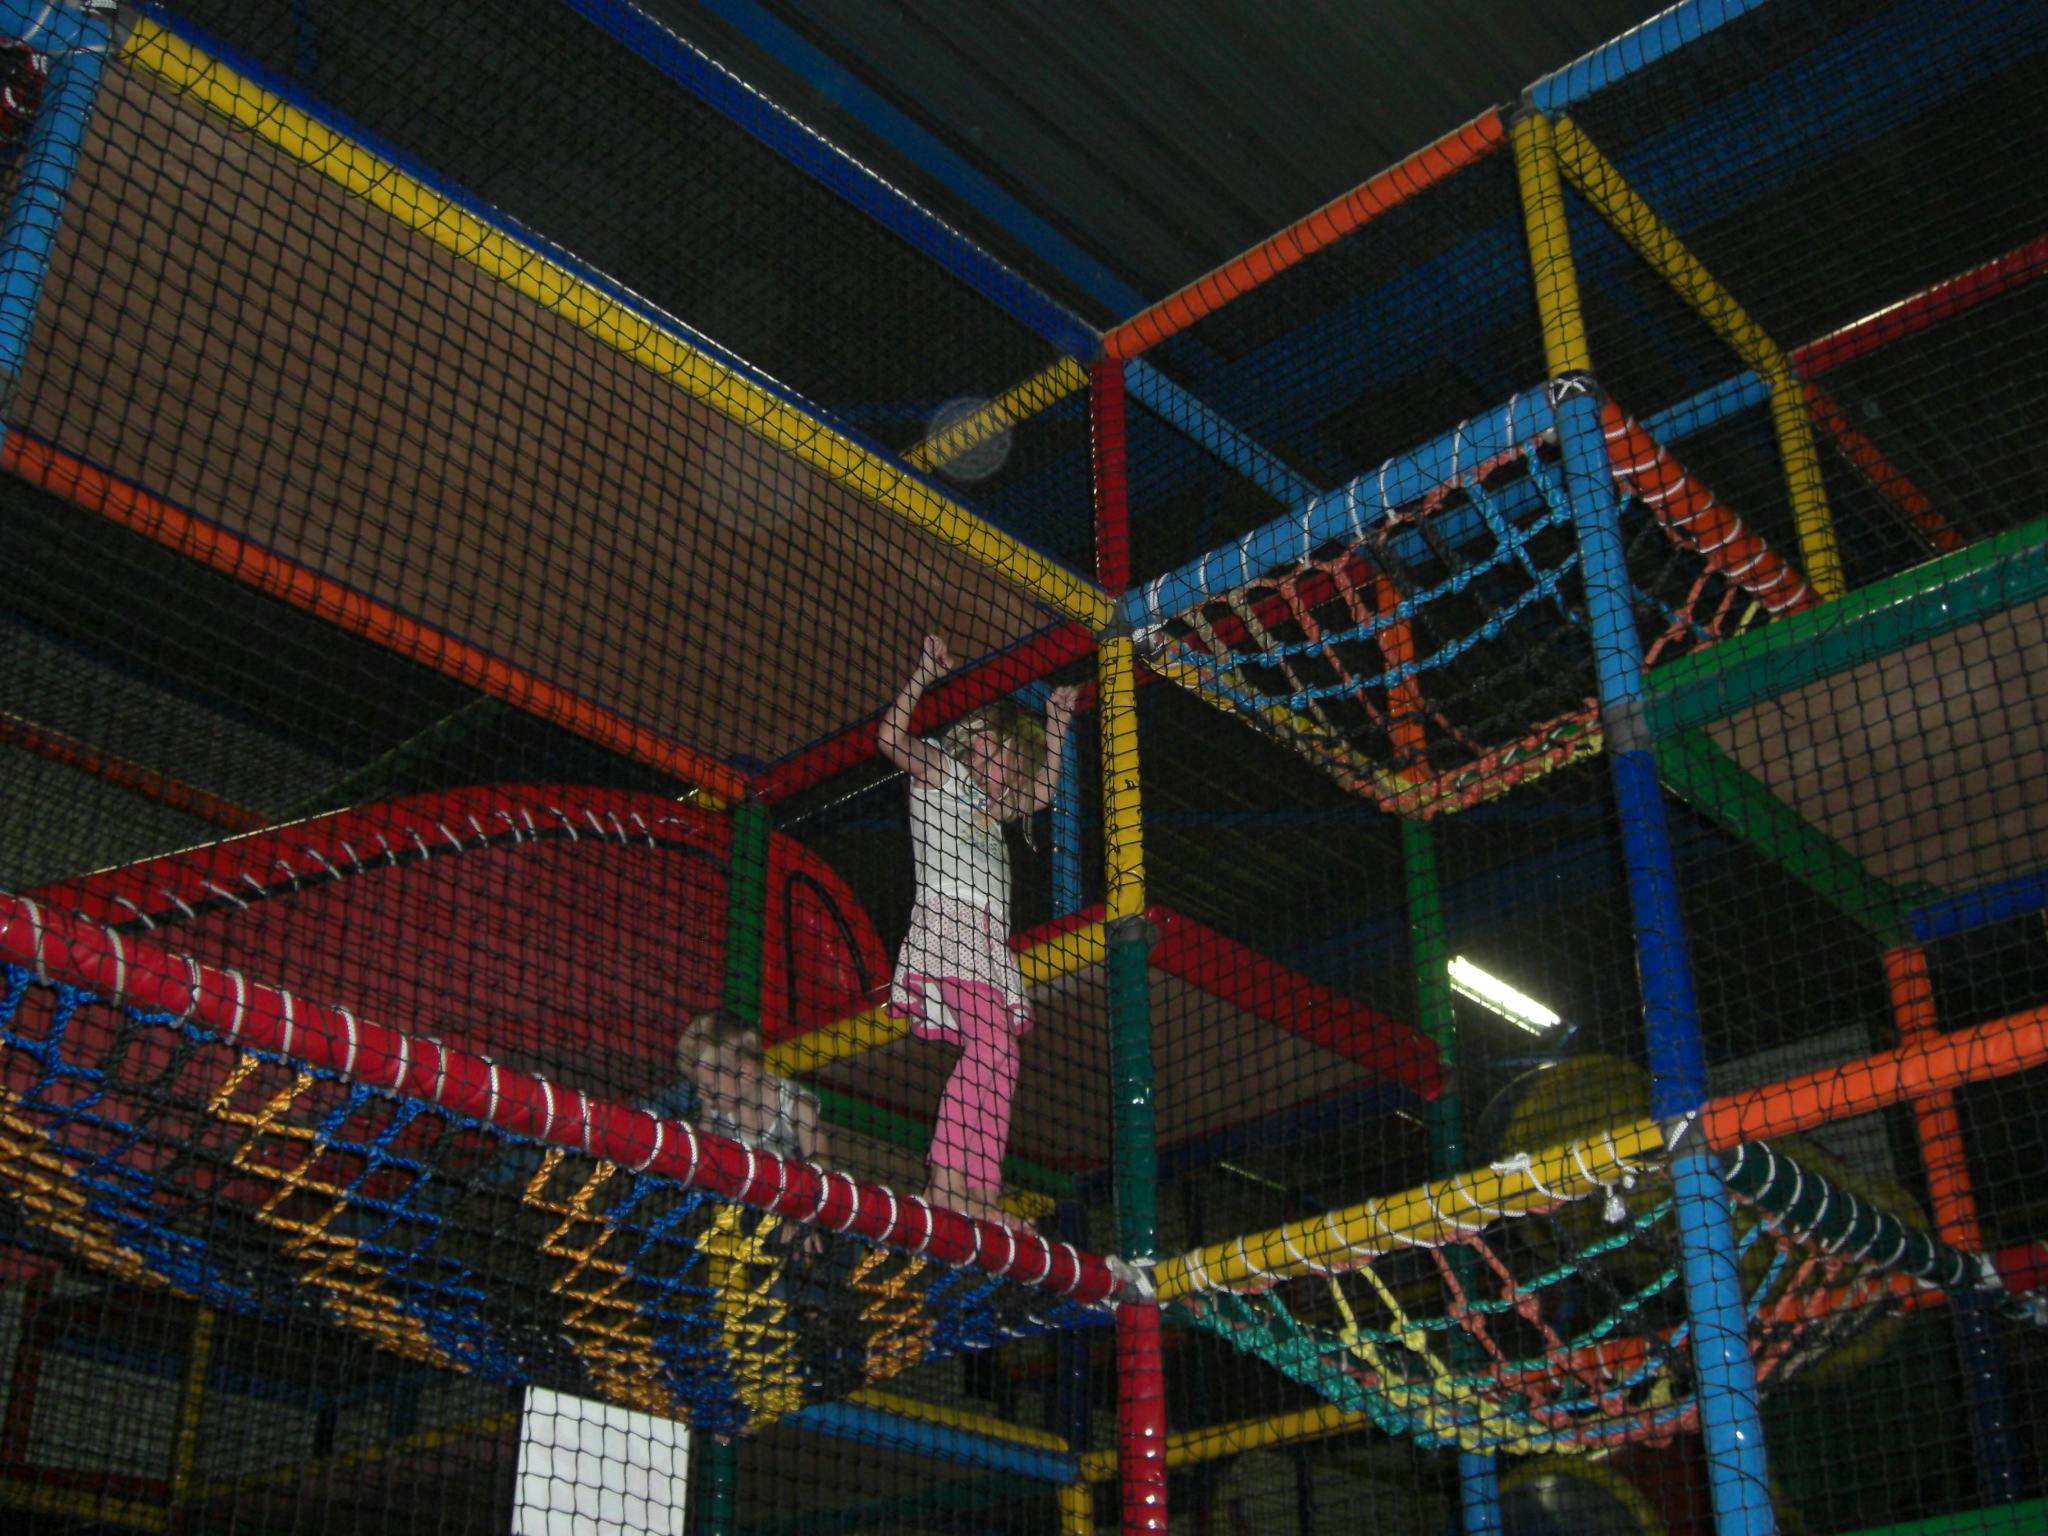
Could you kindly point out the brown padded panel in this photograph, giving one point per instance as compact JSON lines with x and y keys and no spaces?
{"x":236,"y":334}
{"x":1927,"y":765}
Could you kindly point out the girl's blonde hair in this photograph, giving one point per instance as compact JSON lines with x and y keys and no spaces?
{"x":714,"y":1028}
{"x":1012,"y":723}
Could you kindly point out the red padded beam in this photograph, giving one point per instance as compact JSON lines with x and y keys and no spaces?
{"x":61,"y":947}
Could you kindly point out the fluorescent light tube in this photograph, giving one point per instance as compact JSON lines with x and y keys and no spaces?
{"x":1489,"y":991}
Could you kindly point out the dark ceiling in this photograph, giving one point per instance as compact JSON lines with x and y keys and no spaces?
{"x":1154,"y":139}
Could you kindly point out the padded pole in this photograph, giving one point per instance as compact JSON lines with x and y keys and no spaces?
{"x":1478,"y":1476}
{"x":1730,"y":1421}
{"x":1141,"y":1376}
{"x":77,"y":41}
{"x":1938,"y":1124}
{"x":746,"y":919}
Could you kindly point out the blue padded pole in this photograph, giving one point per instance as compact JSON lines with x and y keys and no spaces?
{"x":1066,"y":816}
{"x":1479,"y":1493}
{"x":58,"y":28}
{"x":918,"y":1437}
{"x":1642,"y":45}
{"x":1726,"y":1375}
{"x":807,"y":150}
{"x":1711,"y":406}
{"x":1071,"y":1418}
{"x":1066,"y":837}
{"x":1014,"y":216}
{"x":2001,"y":1476}
{"x":78,"y":43}
{"x":1343,"y":513}
{"x":1396,"y":478}
{"x":2021,"y":896}
{"x":1210,"y":431}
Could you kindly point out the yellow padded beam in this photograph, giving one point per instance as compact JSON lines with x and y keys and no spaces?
{"x":1658,"y":244}
{"x":1429,"y":1215}
{"x":190,"y":72}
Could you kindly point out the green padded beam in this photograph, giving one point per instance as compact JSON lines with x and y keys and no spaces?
{"x":1932,"y":599}
{"x":746,"y":926}
{"x":1712,"y":783}
{"x":373,"y":775}
{"x":2003,"y":1520}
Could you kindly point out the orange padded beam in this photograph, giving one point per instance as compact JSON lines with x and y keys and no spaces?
{"x":131,"y":776}
{"x":1936,"y":1064}
{"x":84,"y":485}
{"x":1295,"y":244}
{"x":1935,"y":1116}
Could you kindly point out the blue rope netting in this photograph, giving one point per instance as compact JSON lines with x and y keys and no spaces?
{"x":296,"y":1190}
{"x":1508,"y":581}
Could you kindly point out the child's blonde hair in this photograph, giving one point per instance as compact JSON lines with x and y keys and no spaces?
{"x":1013,"y":724}
{"x":711,"y":1029}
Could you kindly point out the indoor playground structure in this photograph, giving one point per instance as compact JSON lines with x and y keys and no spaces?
{"x":1537,"y":951}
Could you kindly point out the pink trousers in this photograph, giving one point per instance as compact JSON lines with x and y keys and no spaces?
{"x":973,"y":1127}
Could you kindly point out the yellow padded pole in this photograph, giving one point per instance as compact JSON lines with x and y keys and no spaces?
{"x":1550,"y":247}
{"x":855,"y":1036}
{"x":958,"y":1418}
{"x":185,"y":69}
{"x":1014,"y":406}
{"x":1429,"y":1215}
{"x":1199,"y":1445}
{"x":1061,"y":955}
{"x":1117,"y":692}
{"x":487,"y":1427}
{"x":1077,"y":1509}
{"x":1602,"y":185}
{"x":191,"y":1398}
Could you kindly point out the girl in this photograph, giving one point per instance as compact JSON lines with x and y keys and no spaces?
{"x":956,"y":978}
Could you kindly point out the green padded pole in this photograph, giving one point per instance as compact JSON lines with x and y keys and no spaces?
{"x":746,"y":922}
{"x":1824,"y":1215}
{"x":1937,"y":598}
{"x":2009,"y":1520}
{"x":746,"y":910}
{"x":1431,"y":958}
{"x":421,"y":747}
{"x":1429,"y":951}
{"x":1713,"y":784}
{"x":1127,"y":971}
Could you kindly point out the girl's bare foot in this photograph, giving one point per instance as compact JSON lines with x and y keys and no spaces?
{"x":989,"y":1205}
{"x":949,"y":1189}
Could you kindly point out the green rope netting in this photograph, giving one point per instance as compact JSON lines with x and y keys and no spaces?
{"x":1531,"y":1337}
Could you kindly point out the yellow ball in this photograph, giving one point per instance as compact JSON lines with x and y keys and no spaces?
{"x":1579,"y":1099}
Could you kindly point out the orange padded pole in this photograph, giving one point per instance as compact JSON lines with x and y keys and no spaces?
{"x":131,"y":776}
{"x":1295,"y":244}
{"x":1937,"y":1064}
{"x":1405,"y":704}
{"x":1935,"y":1117}
{"x":1691,"y":513}
{"x":1885,"y":477}
{"x":84,"y":485}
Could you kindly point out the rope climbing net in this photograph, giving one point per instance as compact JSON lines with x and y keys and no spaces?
{"x":1560,"y":1326}
{"x":1434,"y":654}
{"x":179,"y":1125}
